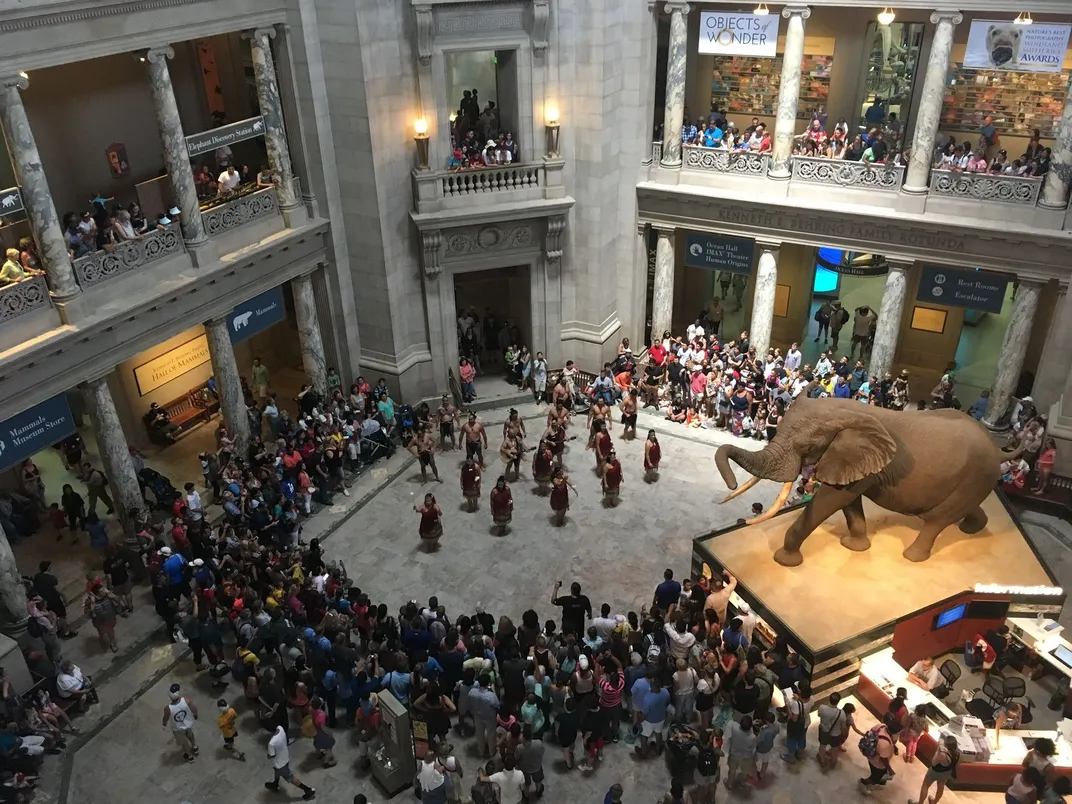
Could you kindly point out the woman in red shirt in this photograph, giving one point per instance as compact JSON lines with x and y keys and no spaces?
{"x":431,"y":527}
{"x":612,"y":479}
{"x":502,"y":505}
{"x":471,"y":483}
{"x":652,"y":454}
{"x":542,"y":462}
{"x":1044,"y":465}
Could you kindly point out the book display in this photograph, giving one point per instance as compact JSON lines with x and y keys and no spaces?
{"x":1018,"y":102}
{"x":749,"y":85}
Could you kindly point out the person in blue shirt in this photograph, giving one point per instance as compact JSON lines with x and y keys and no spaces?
{"x":842,"y":389}
{"x":733,"y":638}
{"x":712,"y":136}
{"x":668,"y":592}
{"x":876,"y":112}
{"x":858,"y":376}
{"x":980,"y":406}
{"x":656,"y":702}
{"x":688,"y":133}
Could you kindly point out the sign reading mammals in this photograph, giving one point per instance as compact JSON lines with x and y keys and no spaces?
{"x":256,"y":315}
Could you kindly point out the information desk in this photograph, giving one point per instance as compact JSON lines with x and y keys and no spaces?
{"x":982,"y":766}
{"x":1044,"y":637}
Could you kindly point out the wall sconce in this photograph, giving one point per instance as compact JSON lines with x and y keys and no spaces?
{"x":886,"y":16}
{"x":1023,"y":18}
{"x":420,"y":138}
{"x":552,"y":130}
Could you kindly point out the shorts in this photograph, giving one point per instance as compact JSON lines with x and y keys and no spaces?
{"x":938,"y":776}
{"x":474,"y":448}
{"x":826,"y":738}
{"x":425,"y":458}
{"x":647,"y":728}
{"x":629,"y":420}
{"x":283,"y":773}
{"x":536,"y":778}
{"x":229,"y":740}
{"x":446,"y":430}
{"x":260,"y":391}
{"x":184,"y":739}
{"x":741,"y":766}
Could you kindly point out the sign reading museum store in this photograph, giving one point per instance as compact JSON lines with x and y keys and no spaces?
{"x":225,"y":135}
{"x":727,"y":34}
{"x":34,"y":430}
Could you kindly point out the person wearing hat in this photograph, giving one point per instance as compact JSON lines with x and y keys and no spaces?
{"x":181,"y":714}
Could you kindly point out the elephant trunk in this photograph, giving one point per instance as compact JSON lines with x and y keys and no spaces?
{"x":773,"y":462}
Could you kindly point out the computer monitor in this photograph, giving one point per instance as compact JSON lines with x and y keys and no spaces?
{"x":950,"y":616}
{"x":1062,"y":654}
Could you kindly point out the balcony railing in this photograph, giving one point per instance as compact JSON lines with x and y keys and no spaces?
{"x":656,"y":152}
{"x":240,"y":211}
{"x":842,"y":173}
{"x":22,"y":297}
{"x":1021,"y":190}
{"x":716,"y":160}
{"x":454,"y":189}
{"x":100,"y":266}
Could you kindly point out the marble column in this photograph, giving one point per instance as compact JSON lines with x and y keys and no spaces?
{"x":676,"y":59}
{"x":1053,"y":375}
{"x":13,"y":614}
{"x":888,"y":327}
{"x":929,"y":112}
{"x":228,"y":383}
{"x":312,"y":343}
{"x":785,"y":123}
{"x":662,"y":299}
{"x":173,"y":140}
{"x":1059,"y":176}
{"x":640,"y":327}
{"x":36,"y":195}
{"x":1013,"y":349}
{"x":759,"y":330}
{"x":114,"y":451}
{"x":275,"y":135}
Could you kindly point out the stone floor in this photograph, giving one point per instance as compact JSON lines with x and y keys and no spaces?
{"x":617,"y":554}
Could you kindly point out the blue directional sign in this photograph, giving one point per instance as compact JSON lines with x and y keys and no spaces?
{"x":957,"y":287}
{"x":34,"y":430}
{"x":256,"y":315}
{"x":719,"y":253}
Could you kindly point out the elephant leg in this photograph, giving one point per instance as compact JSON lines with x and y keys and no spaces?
{"x":920,"y":549}
{"x":975,"y":521}
{"x":854,"y":517}
{"x":827,"y":501}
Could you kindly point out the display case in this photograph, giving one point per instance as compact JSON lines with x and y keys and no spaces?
{"x":391,"y":754}
{"x":1017,"y":102}
{"x":749,"y":86}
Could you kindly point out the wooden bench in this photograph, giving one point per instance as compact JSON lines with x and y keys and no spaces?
{"x":195,"y":406}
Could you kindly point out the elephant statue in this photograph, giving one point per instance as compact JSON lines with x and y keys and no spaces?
{"x":938,"y":465}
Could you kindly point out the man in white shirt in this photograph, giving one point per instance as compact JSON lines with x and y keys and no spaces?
{"x":510,"y":781}
{"x":228,"y":180}
{"x":924,"y":674}
{"x":748,"y":620}
{"x":605,"y":623}
{"x":681,"y":639}
{"x":694,"y":331}
{"x":793,"y":358}
{"x":279,"y":754}
{"x":193,"y":505}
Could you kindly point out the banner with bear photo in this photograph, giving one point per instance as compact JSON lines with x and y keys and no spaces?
{"x":1004,"y":45}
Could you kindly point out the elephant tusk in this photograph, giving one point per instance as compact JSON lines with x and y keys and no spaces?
{"x":741,"y":489}
{"x":783,"y":495}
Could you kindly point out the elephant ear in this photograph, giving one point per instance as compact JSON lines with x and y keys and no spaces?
{"x":862,"y":448}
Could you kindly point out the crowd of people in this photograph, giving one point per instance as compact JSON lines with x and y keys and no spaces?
{"x":477,"y":137}
{"x":985,"y":157}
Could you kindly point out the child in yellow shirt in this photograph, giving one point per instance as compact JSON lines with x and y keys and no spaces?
{"x":228,"y":726}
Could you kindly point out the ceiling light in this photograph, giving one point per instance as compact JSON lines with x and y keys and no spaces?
{"x":761,"y":10}
{"x":886,"y":16}
{"x":1023,"y":18}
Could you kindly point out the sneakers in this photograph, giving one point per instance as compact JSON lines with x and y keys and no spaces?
{"x":310,"y":794}
{"x":273,"y":786}
{"x":346,"y":491}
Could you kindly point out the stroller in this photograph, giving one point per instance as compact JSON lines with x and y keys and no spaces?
{"x":407,"y":423}
{"x":163,"y":491}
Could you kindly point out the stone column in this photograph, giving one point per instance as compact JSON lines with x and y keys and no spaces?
{"x":275,"y":135}
{"x":312,"y":343}
{"x":888,"y":328}
{"x":930,"y":103}
{"x":115,"y":454}
{"x":176,"y":157}
{"x":640,"y":286}
{"x":785,"y":123}
{"x":1013,"y":349}
{"x":1053,"y":373}
{"x":759,"y":331}
{"x":13,"y":614}
{"x":662,"y":301}
{"x":1055,"y":186}
{"x":228,"y":383}
{"x":677,"y":56}
{"x":36,"y":195}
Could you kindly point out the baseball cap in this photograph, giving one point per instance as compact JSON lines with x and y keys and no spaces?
{"x":165,"y":551}
{"x":173,"y":692}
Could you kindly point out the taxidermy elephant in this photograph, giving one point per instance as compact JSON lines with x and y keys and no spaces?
{"x":938,"y":465}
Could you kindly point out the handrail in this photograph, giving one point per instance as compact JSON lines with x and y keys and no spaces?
{"x":884,"y":176}
{"x":240,"y":211}
{"x":100,"y":266}
{"x":18,"y":298}
{"x":1021,"y":190}
{"x":719,"y":160}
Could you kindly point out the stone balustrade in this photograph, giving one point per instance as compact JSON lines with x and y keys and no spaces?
{"x":717,"y":160}
{"x":239,"y":211}
{"x":22,"y":297}
{"x":1020,"y":190}
{"x":100,"y":266}
{"x":436,"y":190}
{"x":884,"y":177}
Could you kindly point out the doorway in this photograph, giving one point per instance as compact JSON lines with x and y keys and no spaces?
{"x":499,"y":303}
{"x":857,"y":281}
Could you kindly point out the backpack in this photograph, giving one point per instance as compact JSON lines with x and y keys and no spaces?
{"x":707,"y":762}
{"x":238,"y":670}
{"x":34,"y":629}
{"x":655,"y":650}
{"x":869,"y":744}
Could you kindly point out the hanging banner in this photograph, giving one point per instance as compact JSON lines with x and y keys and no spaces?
{"x":874,"y":266}
{"x":958,"y":287}
{"x":256,"y":315}
{"x":34,"y":430}
{"x":725,"y":33}
{"x":718,"y":253}
{"x":11,"y":201}
{"x":1004,"y":45}
{"x":207,"y":141}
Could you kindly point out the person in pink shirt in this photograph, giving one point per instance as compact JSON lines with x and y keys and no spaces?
{"x":977,"y":162}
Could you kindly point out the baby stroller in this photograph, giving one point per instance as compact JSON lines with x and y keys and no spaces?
{"x":407,"y":423}
{"x":163,"y":491}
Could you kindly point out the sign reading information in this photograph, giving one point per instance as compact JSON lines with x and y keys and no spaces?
{"x":728,"y":34}
{"x":718,"y":253}
{"x":225,"y":135}
{"x":34,"y":430}
{"x":168,"y":366}
{"x":957,"y":287}
{"x":1004,"y":45}
{"x":256,"y":315}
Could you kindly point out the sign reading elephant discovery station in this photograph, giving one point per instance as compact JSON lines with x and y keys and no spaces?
{"x":729,"y":34}
{"x":256,"y":315}
{"x":1004,"y":45}
{"x":34,"y":430}
{"x":956,"y":287}
{"x":717,"y":253}
{"x":206,"y":141}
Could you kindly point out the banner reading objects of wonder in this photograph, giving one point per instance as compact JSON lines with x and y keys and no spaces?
{"x":1004,"y":45}
{"x":728,"y":34}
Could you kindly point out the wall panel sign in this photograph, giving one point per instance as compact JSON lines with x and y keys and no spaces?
{"x":34,"y":430}
{"x":957,"y":287}
{"x":206,"y":141}
{"x":1004,"y":45}
{"x":719,"y":253}
{"x":729,"y":34}
{"x":256,"y":315}
{"x":10,"y":201}
{"x":165,"y":368}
